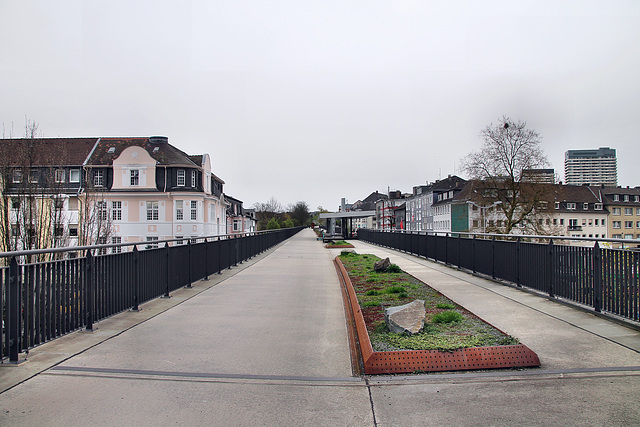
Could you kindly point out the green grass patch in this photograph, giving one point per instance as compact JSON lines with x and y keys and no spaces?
{"x":446,"y":317}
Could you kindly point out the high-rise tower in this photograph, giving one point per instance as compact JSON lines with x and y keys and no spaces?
{"x":592,"y":167}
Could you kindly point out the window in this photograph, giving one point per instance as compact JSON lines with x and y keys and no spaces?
{"x":628,"y":211}
{"x":237,"y":225}
{"x":152,"y":211}
{"x":626,"y":197}
{"x":616,"y":236}
{"x":194,"y":210}
{"x":181,"y":175}
{"x":58,"y":175}
{"x":74,"y":175}
{"x":573,"y":224}
{"x":58,"y":203}
{"x":571,"y":205}
{"x":584,"y":222}
{"x":180,"y":241}
{"x":135,"y":177}
{"x":615,"y":211}
{"x":555,"y":221}
{"x":17,"y":176}
{"x":616,"y":224}
{"x":116,"y":240}
{"x":73,"y":231}
{"x":585,"y":206}
{"x":98,"y":178}
{"x":596,"y":221}
{"x":597,"y":206}
{"x":628,"y":236}
{"x":637,"y":224}
{"x":15,"y":203}
{"x":116,"y":211}
{"x":179,"y":210}
{"x":102,"y":241}
{"x":616,"y":198}
{"x":637,"y":211}
{"x":58,"y":231}
{"x":152,"y":239}
{"x":557,"y":205}
{"x":193,"y":179}
{"x":636,"y":198}
{"x":73,"y":203}
{"x":103,"y":214}
{"x":33,"y":176}
{"x":628,"y":224}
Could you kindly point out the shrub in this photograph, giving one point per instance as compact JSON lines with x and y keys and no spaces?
{"x":393,"y":268}
{"x":446,"y":317}
{"x":445,"y":306}
{"x":395,"y":289}
{"x":372,"y":292}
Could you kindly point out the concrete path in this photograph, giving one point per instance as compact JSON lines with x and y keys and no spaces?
{"x":266,"y":344}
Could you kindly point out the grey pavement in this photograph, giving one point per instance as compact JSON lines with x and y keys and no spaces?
{"x":266,"y":344}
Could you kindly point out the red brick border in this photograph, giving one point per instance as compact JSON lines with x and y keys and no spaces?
{"x":395,"y":362}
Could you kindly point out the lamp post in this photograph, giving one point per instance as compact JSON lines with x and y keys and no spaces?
{"x":483,"y":210}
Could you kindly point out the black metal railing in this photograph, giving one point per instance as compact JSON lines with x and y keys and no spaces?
{"x":605,"y":279}
{"x":41,"y":301}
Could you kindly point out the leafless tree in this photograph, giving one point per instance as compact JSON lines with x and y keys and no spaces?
{"x":508,"y":149}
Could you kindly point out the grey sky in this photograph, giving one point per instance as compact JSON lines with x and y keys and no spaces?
{"x":316,"y":101}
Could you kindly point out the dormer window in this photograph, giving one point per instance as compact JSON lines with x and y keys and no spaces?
{"x":17,"y":176}
{"x":598,"y":206}
{"x":193,"y":179}
{"x":74,"y":175}
{"x":616,"y":198}
{"x":134,"y":175}
{"x":571,"y":206}
{"x":181,"y":179}
{"x":98,"y":178}
{"x":585,"y":206}
{"x":59,"y":175}
{"x":557,"y":205}
{"x":626,"y":197}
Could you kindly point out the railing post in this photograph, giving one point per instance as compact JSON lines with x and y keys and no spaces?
{"x":550,"y":268}
{"x":597,"y":278}
{"x":167,"y":271}
{"x":90,"y":302}
{"x":446,"y":248}
{"x":189,"y":265}
{"x":473,"y":248}
{"x":13,"y":319}
{"x":206,"y":259}
{"x":138,"y":275}
{"x":459,"y":255}
{"x":518,"y":262}
{"x":493,"y":257}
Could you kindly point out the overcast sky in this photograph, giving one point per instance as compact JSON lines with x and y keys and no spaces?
{"x":317,"y":100}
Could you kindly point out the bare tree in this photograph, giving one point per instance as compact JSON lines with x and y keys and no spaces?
{"x":508,"y":149}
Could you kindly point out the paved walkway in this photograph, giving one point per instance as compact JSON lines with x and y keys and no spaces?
{"x":266,"y":344}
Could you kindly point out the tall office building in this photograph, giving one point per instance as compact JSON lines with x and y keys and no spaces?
{"x":592,"y":167}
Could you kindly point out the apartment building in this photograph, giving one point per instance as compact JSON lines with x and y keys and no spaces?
{"x":122,"y":190}
{"x":591,"y":167}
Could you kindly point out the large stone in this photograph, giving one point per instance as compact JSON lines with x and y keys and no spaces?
{"x":381,"y":265}
{"x":408,"y":318}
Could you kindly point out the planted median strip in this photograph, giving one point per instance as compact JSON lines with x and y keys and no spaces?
{"x":450,"y":337}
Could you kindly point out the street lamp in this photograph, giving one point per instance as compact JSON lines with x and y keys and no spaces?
{"x":484,"y":208}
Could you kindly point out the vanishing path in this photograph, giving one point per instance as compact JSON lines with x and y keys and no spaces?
{"x":266,"y":344}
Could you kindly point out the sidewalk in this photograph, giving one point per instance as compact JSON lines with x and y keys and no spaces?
{"x":266,"y":344}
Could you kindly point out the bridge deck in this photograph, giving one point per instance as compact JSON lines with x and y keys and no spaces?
{"x":266,"y":344}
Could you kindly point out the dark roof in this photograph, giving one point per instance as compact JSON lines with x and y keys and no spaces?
{"x":552,"y":192}
{"x":162,"y":152}
{"x":197,"y":159}
{"x":375,"y":196}
{"x":45,"y":151}
{"x":449,"y":183}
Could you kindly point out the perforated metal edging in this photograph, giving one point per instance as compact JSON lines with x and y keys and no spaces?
{"x":396,"y":362}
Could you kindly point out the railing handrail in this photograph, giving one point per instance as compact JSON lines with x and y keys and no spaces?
{"x":512,"y":236}
{"x":144,"y":242}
